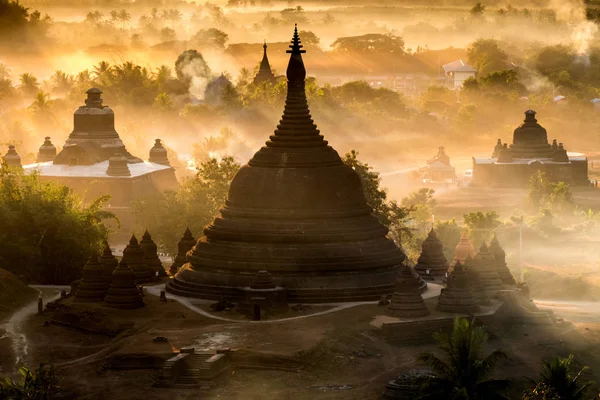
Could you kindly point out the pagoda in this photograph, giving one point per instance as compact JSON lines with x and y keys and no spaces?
{"x":530,"y":152}
{"x":94,"y":282}
{"x":184,"y":245}
{"x":108,"y":260}
{"x":151,"y":255}
{"x":12,"y":158}
{"x":95,"y":162}
{"x":476,"y":286}
{"x":407,"y":301}
{"x":299,"y":212}
{"x":432,"y":264}
{"x":484,"y":264}
{"x":264,"y":71}
{"x":500,"y":258}
{"x":438,"y":169}
{"x":123,"y":293}
{"x":458,"y":297}
{"x":463,"y":249}
{"x":135,"y":258}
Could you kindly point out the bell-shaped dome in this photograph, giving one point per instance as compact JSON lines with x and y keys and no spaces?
{"x":12,"y":158}
{"x":47,"y":151}
{"x":158,"y":153}
{"x":299,"y":212}
{"x":530,"y":139}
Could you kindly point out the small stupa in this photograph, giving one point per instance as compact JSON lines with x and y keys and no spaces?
{"x":108,"y":260}
{"x":500,"y":258}
{"x":484,"y":264}
{"x":407,"y":301}
{"x":94,"y":282}
{"x":12,"y":158}
{"x":185,"y":244}
{"x":151,"y":255}
{"x":117,"y":166}
{"x":123,"y":293}
{"x":47,"y":151}
{"x":432,"y":264}
{"x":458,"y":297}
{"x":476,"y":285}
{"x":135,"y":258}
{"x":158,"y":154}
{"x":463,"y":249}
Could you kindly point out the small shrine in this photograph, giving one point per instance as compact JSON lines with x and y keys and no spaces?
{"x":123,"y":293}
{"x":432,"y":264}
{"x":184,"y":245}
{"x":263,"y":297}
{"x":94,"y":282}
{"x":458,"y":297}
{"x":136,"y":261}
{"x":264,"y":71}
{"x":501,"y":267}
{"x":151,"y":255}
{"x":484,"y":264}
{"x":406,"y":301}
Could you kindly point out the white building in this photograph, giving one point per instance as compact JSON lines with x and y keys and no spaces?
{"x":457,"y":72}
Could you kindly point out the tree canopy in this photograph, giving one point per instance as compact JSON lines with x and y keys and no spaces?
{"x":371,"y":42}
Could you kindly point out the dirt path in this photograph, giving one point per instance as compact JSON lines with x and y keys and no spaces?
{"x":12,"y":328}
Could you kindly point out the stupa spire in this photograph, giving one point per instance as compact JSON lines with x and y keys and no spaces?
{"x":432,"y":263}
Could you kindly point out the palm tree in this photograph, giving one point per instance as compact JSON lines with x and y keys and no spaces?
{"x":114,"y":16}
{"x":29,"y":84}
{"x":162,"y":75}
{"x":4,"y":72}
{"x":62,"y":83}
{"x":556,"y":378}
{"x":124,"y":17}
{"x":37,"y":384}
{"x":93,"y":17}
{"x":41,"y":105}
{"x":464,"y":373}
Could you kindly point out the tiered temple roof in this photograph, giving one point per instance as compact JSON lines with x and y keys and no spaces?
{"x":12,"y":158}
{"x":135,"y":258}
{"x":484,"y":264}
{"x":151,"y":255}
{"x":464,"y":249}
{"x":407,"y":301}
{"x":123,"y":293}
{"x":184,"y":245}
{"x":432,"y":263}
{"x":458,"y":297}
{"x":264,"y":71}
{"x":500,"y":258}
{"x":94,"y":282}
{"x":299,"y":212}
{"x":47,"y":151}
{"x":476,"y":286}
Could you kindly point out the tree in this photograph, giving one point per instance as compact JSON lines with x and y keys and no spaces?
{"x":195,"y":204}
{"x":210,"y":37}
{"x":62,"y":83}
{"x":309,"y":38}
{"x":29,"y":84}
{"x":360,"y":96}
{"x":482,"y":225}
{"x":4,"y":72}
{"x":124,"y":17}
{"x":47,"y":232}
{"x":16,"y":21}
{"x":421,"y":196}
{"x":370,"y":43}
{"x":388,"y":212}
{"x":464,"y":373}
{"x":41,"y":108}
{"x":543,"y":193}
{"x":93,"y":18}
{"x":487,"y":56}
{"x":293,"y":15}
{"x":477,"y":10}
{"x":167,"y":34}
{"x":558,"y":382}
{"x":36,"y":385}
{"x":163,"y":102}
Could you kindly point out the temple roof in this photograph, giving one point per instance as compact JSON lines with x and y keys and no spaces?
{"x":264,"y":71}
{"x":458,"y":66}
{"x":97,"y":170}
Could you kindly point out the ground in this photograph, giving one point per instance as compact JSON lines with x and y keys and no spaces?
{"x":342,"y":356}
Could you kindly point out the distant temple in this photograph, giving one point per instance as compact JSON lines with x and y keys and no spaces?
{"x":438,"y":169}
{"x":94,"y":161}
{"x":512,"y":166}
{"x":298,"y":213}
{"x":264,"y":72}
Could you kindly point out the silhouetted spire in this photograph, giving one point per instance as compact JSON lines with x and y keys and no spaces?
{"x":295,"y":70}
{"x":264,"y":72}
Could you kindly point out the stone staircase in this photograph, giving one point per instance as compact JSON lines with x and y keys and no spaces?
{"x":191,"y":368}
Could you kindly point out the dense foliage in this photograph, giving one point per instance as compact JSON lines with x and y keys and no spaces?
{"x":47,"y":233}
{"x":40,"y":384}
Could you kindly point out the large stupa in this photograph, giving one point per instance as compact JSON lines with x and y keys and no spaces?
{"x":297,"y":211}
{"x":94,"y":161}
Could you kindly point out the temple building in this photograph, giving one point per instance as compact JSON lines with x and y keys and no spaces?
{"x":530,"y":151}
{"x":484,"y":264}
{"x":458,"y":297}
{"x":501,"y":267}
{"x":184,"y":245}
{"x":297,"y":211}
{"x":438,"y":169}
{"x":432,"y":264}
{"x":264,"y":71}
{"x":407,"y":301}
{"x":123,"y":293}
{"x":94,"y":161}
